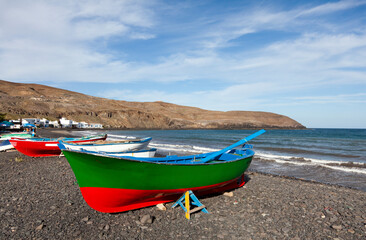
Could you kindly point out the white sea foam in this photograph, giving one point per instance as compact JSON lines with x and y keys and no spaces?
{"x":336,"y":165}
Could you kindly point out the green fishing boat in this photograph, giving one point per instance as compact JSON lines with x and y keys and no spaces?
{"x":115,"y":184}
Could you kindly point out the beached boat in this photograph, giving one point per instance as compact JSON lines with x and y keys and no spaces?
{"x":5,"y":145}
{"x":4,"y":139}
{"x":8,"y":136}
{"x":117,"y":184}
{"x":109,"y":146}
{"x":145,"y":153}
{"x":43,"y":147}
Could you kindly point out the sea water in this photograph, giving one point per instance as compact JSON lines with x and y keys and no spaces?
{"x":335,"y":156}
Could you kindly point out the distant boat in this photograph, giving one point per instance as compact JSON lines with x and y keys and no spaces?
{"x":43,"y":147}
{"x":145,"y":153}
{"x":117,"y":184}
{"x":109,"y":146}
{"x":4,"y":139}
{"x":5,"y":145}
{"x":8,"y":136}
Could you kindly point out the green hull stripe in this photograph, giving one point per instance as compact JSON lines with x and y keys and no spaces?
{"x":99,"y":171}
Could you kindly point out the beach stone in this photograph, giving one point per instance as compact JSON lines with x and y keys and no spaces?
{"x":77,"y":233}
{"x":337,"y":227}
{"x":85,"y":219}
{"x":40,"y":227}
{"x":106,"y":228}
{"x":161,"y":207}
{"x":146,"y":219}
{"x":229,"y":194}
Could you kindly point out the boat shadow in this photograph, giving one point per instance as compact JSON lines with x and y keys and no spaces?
{"x":246,"y":180}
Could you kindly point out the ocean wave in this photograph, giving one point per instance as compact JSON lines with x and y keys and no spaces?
{"x":349,"y":166}
{"x":340,"y":153}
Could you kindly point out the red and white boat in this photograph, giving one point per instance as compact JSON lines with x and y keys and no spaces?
{"x":44,"y":147}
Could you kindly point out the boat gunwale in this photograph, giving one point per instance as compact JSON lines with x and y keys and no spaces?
{"x":111,"y":153}
{"x":143,"y":140}
{"x":171,"y":161}
{"x":56,"y":140}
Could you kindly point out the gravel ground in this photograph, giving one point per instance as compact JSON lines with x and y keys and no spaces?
{"x":41,"y":200}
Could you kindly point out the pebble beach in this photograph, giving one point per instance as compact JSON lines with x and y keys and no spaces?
{"x":40,"y":199}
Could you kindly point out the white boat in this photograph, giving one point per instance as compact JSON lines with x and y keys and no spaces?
{"x":146,"y":153}
{"x":109,"y":146}
{"x":5,"y":145}
{"x":4,"y":139}
{"x":8,"y":136}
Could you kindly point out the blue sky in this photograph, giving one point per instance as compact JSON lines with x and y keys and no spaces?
{"x":302,"y":59}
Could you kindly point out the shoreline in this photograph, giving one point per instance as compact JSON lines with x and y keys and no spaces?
{"x":41,"y":199}
{"x":147,"y":129}
{"x":53,"y":133}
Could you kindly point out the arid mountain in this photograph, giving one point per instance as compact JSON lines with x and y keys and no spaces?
{"x":38,"y":101}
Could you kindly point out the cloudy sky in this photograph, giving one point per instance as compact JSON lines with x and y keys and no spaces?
{"x":304,"y":59}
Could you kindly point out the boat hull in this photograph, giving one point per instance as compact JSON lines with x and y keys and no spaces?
{"x":110,"y":147}
{"x":36,"y":148}
{"x":5,"y":145}
{"x":15,"y":135}
{"x":110,"y":200}
{"x":116,"y":184}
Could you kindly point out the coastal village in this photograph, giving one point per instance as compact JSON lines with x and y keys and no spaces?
{"x":18,"y":124}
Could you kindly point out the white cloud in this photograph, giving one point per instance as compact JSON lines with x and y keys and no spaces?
{"x":55,"y":41}
{"x":339,"y":98}
{"x":332,"y":7}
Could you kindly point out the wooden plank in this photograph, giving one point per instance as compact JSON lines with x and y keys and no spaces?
{"x":197,"y":209}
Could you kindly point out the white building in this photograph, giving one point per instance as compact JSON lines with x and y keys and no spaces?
{"x":65,"y":123}
{"x":95,"y":125}
{"x":74,"y":124}
{"x":53,"y":124}
{"x":17,"y":123}
{"x":44,"y":122}
{"x":82,"y":125}
{"x":34,"y":121}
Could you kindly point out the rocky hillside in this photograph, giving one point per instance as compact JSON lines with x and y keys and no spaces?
{"x":38,"y":101}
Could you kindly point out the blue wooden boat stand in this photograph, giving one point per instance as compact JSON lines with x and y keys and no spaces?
{"x":190,"y":198}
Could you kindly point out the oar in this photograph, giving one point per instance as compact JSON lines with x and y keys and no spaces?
{"x":244,"y":140}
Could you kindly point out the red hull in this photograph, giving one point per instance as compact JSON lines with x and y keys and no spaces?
{"x":43,"y":148}
{"x":112,"y":200}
